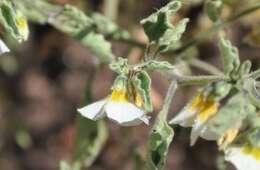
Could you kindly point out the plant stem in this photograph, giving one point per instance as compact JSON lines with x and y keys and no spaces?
{"x":111,"y":9}
{"x":168,"y":99}
{"x":204,"y":66}
{"x":255,"y":74}
{"x":200,"y":80}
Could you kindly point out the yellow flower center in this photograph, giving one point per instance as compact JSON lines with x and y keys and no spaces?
{"x":253,"y":151}
{"x":204,"y":106}
{"x":119,"y":95}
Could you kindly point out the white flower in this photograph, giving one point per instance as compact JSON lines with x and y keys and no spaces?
{"x":244,"y":157}
{"x":3,"y":48}
{"x":196,"y":115}
{"x":116,"y":107}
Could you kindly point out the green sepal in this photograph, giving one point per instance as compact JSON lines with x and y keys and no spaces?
{"x":253,"y":137}
{"x":253,"y":91}
{"x":159,"y":142}
{"x":120,"y":82}
{"x":217,"y":90}
{"x":235,"y":111}
{"x":229,"y":56}
{"x":213,"y":9}
{"x":159,"y":29}
{"x":120,"y":66}
{"x":142,"y":84}
{"x":10,"y":16}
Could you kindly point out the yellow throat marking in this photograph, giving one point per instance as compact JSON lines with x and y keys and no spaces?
{"x":253,"y":151}
{"x":21,"y":23}
{"x":119,"y":95}
{"x":227,"y":138}
{"x":204,"y":106}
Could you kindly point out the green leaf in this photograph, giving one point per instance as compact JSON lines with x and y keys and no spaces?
{"x":99,"y":47}
{"x":159,"y":29}
{"x":72,"y":21}
{"x":159,"y":141}
{"x":213,"y":9}
{"x":235,"y":111}
{"x":158,"y":65}
{"x":253,"y":137}
{"x":108,"y":28}
{"x":90,"y":138}
{"x":120,"y":66}
{"x":171,"y":36}
{"x":142,"y":84}
{"x":229,"y":56}
{"x":13,"y":21}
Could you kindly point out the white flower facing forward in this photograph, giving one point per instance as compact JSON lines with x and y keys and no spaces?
{"x":3,"y":48}
{"x":196,"y":115}
{"x":244,"y":158}
{"x":117,"y":107}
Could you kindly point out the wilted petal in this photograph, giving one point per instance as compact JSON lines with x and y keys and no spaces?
{"x":3,"y":47}
{"x":93,"y":111}
{"x":241,"y":159}
{"x":123,"y":112}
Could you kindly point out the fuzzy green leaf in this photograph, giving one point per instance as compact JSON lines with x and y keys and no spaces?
{"x":90,"y":138}
{"x":159,"y":142}
{"x":229,"y":56}
{"x":235,"y":111}
{"x":158,"y":65}
{"x":142,"y":84}
{"x":13,"y":21}
{"x":213,"y":9}
{"x":108,"y":28}
{"x":120,"y":66}
{"x":159,"y":29}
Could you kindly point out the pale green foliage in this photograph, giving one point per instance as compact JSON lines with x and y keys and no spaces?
{"x":229,"y":56}
{"x":10,"y":16}
{"x":98,"y":46}
{"x":73,"y":22}
{"x":159,"y":29}
{"x":142,"y":84}
{"x":213,"y":9}
{"x":159,"y":141}
{"x":235,"y":110}
{"x":108,"y":28}
{"x":120,"y":66}
{"x":218,"y":90}
{"x":158,"y":65}
{"x":90,"y":139}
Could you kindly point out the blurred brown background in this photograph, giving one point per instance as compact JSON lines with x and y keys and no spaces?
{"x":42,"y":83}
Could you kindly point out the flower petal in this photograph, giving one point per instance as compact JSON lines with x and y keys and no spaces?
{"x":241,"y":160}
{"x":123,"y":112}
{"x":144,"y":119}
{"x":3,"y":47}
{"x":93,"y":111}
{"x":185,"y":118}
{"x":202,"y":130}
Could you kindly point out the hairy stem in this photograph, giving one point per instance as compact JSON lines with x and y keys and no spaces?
{"x":205,"y":66}
{"x":200,"y":80}
{"x":168,"y":99}
{"x":255,"y":74}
